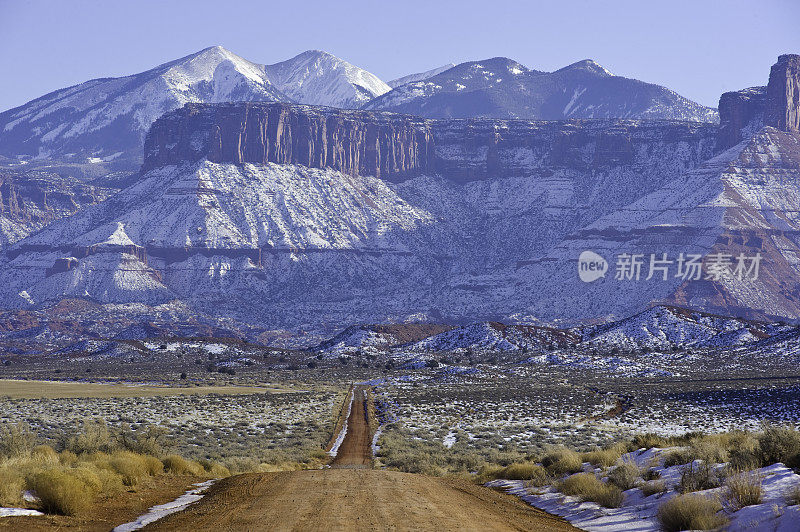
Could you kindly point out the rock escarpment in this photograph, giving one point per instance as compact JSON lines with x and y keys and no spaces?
{"x":352,"y":142}
{"x":742,"y":113}
{"x":394,"y":147}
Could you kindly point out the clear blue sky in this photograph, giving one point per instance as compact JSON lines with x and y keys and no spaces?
{"x":697,"y":48}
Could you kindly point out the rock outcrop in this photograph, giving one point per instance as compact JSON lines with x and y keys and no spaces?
{"x":352,"y":142}
{"x":394,"y":147}
{"x":742,"y":113}
{"x":783,"y":94}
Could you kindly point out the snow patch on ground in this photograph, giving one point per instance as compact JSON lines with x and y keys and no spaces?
{"x":162,"y":510}
{"x":16,"y":512}
{"x":342,"y":433}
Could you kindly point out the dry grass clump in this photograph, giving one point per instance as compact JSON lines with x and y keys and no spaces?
{"x":178,"y":465}
{"x":131,"y":467}
{"x":653,"y":487}
{"x":779,"y":444}
{"x":16,"y":440}
{"x":605,"y":457}
{"x":62,"y":493}
{"x":68,"y":482}
{"x":700,"y":476}
{"x":562,"y":462}
{"x":690,"y":512}
{"x":743,"y":489}
{"x":11,"y":485}
{"x":626,"y":475}
{"x":522,"y":471}
{"x":588,"y":487}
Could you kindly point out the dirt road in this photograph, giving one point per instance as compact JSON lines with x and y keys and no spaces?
{"x":355,"y":452}
{"x":351,"y":496}
{"x":356,"y":499}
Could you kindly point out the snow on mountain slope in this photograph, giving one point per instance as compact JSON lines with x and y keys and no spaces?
{"x":502,"y":88}
{"x":665,"y":327}
{"x":103,"y":117}
{"x":742,"y":201}
{"x":213,"y":223}
{"x":378,"y":338}
{"x":419,"y":76}
{"x":318,"y":78}
{"x":495,"y":336}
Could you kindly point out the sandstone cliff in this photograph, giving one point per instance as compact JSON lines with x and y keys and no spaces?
{"x":394,"y":147}
{"x":743,"y":113}
{"x":352,"y":142}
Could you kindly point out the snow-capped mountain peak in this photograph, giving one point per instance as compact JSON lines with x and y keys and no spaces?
{"x":420,"y":76}
{"x":318,"y":78}
{"x":587,"y":65}
{"x":109,"y":117}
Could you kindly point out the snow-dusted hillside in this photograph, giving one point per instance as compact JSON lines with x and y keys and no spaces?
{"x":108,"y":118}
{"x":503,"y":88}
{"x":319,"y":78}
{"x":419,"y":76}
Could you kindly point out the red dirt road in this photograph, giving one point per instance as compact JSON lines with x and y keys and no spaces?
{"x":355,"y":452}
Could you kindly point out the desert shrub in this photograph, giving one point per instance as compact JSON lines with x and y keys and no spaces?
{"x":44,"y":454}
{"x":677,"y":457}
{"x":708,"y":450}
{"x":652,"y":487}
{"x":180,"y":466}
{"x":216,"y":470}
{"x":699,"y":476}
{"x":690,"y":512}
{"x":131,"y":467}
{"x":626,"y":475}
{"x":743,"y":450}
{"x":11,"y":486}
{"x":648,"y":441}
{"x":605,"y":457}
{"x":651,"y":474}
{"x":522,"y":471}
{"x":779,"y":444}
{"x":561,"y":462}
{"x":588,"y":487}
{"x":488,"y":472}
{"x":153,"y":465}
{"x":67,"y":458}
{"x":61,"y":492}
{"x":151,"y":439}
{"x":16,"y":439}
{"x":743,"y":489}
{"x":93,"y":437}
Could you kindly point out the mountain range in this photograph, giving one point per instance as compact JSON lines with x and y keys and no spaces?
{"x":276,"y":216}
{"x":106,"y":120}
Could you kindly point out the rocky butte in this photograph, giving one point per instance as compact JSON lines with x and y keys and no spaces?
{"x":394,"y":147}
{"x":744,"y":112}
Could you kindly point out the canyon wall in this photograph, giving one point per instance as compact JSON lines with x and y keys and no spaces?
{"x":394,"y":147}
